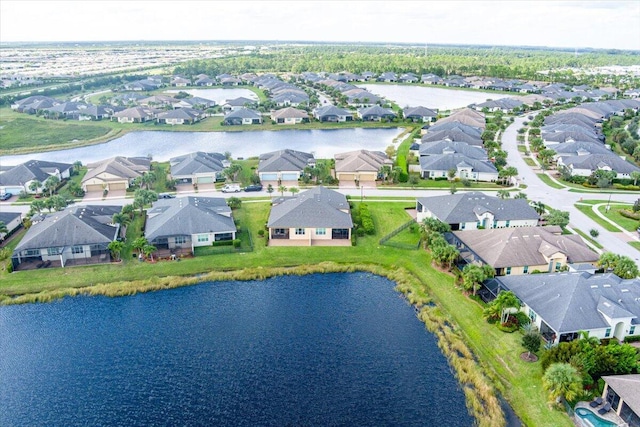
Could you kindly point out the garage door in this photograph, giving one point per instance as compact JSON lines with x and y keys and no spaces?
{"x":347,"y":177}
{"x":289,"y":176}
{"x":94,"y":187}
{"x":12,"y":190}
{"x":367,"y":177}
{"x":117,"y":186}
{"x":205,"y":180}
{"x":268,"y":177}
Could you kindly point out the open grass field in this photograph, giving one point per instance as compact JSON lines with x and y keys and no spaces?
{"x":613,"y":214}
{"x":545,"y":178}
{"x":497,"y":352}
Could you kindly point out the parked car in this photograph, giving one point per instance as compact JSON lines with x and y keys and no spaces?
{"x":253,"y":187}
{"x":6,"y":196}
{"x":231,"y":188}
{"x":166,"y":196}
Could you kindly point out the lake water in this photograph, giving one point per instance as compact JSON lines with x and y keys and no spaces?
{"x":431,"y":97}
{"x":163,"y":145}
{"x":219,"y":95}
{"x":318,"y":350}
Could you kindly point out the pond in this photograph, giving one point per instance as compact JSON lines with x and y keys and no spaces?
{"x":333,"y":349}
{"x":163,"y":145}
{"x":220,"y":95}
{"x":431,"y":97}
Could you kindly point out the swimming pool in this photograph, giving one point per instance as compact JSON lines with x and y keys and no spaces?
{"x":589,"y":419}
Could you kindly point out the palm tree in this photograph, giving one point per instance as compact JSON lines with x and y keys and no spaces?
{"x":51,"y":184}
{"x":504,"y":194}
{"x":148,"y":251}
{"x":139,"y":243}
{"x":123,"y":220}
{"x":128,"y":210}
{"x":116,"y":249}
{"x":147,"y":179}
{"x":37,"y":206}
{"x":294,"y":191}
{"x":282,"y":189}
{"x":562,"y":381}
{"x":35,"y":186}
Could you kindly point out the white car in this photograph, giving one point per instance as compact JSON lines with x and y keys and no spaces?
{"x":231,"y":188}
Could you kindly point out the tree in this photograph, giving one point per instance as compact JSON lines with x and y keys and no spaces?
{"x":282,"y":189}
{"x":413,"y":180}
{"x":520,"y":195}
{"x":37,"y":206}
{"x":75,"y":189}
{"x":451,"y":173}
{"x":473,"y":275}
{"x":445,"y":254}
{"x":626,"y":268}
{"x":558,"y":217}
{"x":270,"y":189}
{"x":142,"y":198}
{"x":51,"y":184}
{"x":539,"y":207}
{"x":608,"y":260}
{"x":503,"y":194}
{"x":55,"y":202}
{"x":77,"y":165}
{"x":147,"y":179}
{"x":139,"y":243}
{"x":232,"y":171}
{"x":148,"y":251}
{"x":234,"y":202}
{"x":123,"y":220}
{"x":562,"y":381}
{"x":545,"y":156}
{"x":509,"y":172}
{"x":390,"y":151}
{"x":35,"y":186}
{"x":115,"y":248}
{"x":294,"y":191}
{"x":128,"y":210}
{"x":531,"y":342}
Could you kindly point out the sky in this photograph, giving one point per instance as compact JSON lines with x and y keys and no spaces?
{"x":572,"y":24}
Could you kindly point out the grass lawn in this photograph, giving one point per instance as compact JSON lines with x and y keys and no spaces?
{"x":588,"y":238}
{"x":530,"y":162}
{"x":588,"y":211}
{"x":614,"y":215}
{"x":497,"y":352}
{"x":635,"y":245}
{"x":545,"y":178}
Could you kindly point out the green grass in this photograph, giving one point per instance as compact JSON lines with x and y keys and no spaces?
{"x":635,"y":245}
{"x":443,"y":184}
{"x":588,"y":211}
{"x":588,"y":238}
{"x":614,"y":215}
{"x":497,"y":352}
{"x":530,"y":162}
{"x":545,"y":178}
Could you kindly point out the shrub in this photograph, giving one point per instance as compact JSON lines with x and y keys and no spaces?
{"x":236,"y":243}
{"x":366,"y":219}
{"x":594,"y":233}
{"x":223,"y":243}
{"x":261,"y":233}
{"x":522,"y":319}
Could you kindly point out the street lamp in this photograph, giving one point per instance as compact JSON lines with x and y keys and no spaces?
{"x":608,"y":203}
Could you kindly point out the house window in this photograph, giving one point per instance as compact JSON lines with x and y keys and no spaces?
{"x":32,"y":252}
{"x":180,"y":240}
{"x":462,"y":226}
{"x":632,"y":330}
{"x":300,"y":231}
{"x":508,"y":271}
{"x":321,"y":231}
{"x":525,"y":270}
{"x":77,"y":249}
{"x":507,"y":224}
{"x":203,"y":237}
{"x":53,"y":251}
{"x":279,"y":232}
{"x":607,"y":333}
{"x":478,"y":224}
{"x":533,"y":316}
{"x":558,"y":266}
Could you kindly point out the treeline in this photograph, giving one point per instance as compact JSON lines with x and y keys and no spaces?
{"x":503,"y":62}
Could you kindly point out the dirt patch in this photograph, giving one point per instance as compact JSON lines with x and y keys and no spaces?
{"x":528,"y":357}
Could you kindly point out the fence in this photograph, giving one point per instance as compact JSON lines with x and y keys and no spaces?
{"x":400,"y":245}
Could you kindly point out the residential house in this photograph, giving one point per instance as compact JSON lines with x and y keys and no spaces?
{"x":243,"y":116}
{"x":435,"y":148}
{"x":180,"y":82}
{"x":20,"y":177}
{"x":284,"y":165}
{"x":289,"y":116}
{"x":290,"y":98}
{"x":205,"y":81}
{"x":473,"y":210}
{"x":189,"y":222}
{"x":12,"y":220}
{"x":388,"y":77}
{"x":420,"y":114}
{"x":562,"y":305}
{"x":180,"y":116}
{"x":456,"y":134}
{"x":158,"y":101}
{"x":376,"y":114}
{"x":24,"y":104}
{"x":198,"y":168}
{"x":516,"y":251}
{"x":585,"y":164}
{"x":361,"y":167}
{"x":439,"y":165}
{"x":195,"y":102}
{"x":408,"y":78}
{"x":136,"y":115}
{"x":316,"y":217}
{"x":466,"y":116}
{"x":506,"y":105}
{"x":116,"y":173}
{"x":238,"y":104}
{"x":431,"y":79}
{"x":78,"y":235}
{"x":331,"y":113}
{"x":95,"y":112}
{"x":64,"y":110}
{"x":622,"y":392}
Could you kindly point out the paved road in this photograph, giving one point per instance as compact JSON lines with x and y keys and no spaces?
{"x":563,"y":199}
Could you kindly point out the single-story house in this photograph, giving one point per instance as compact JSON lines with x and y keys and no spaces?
{"x":563,"y":304}
{"x":243,"y":116}
{"x":506,"y":105}
{"x":289,"y":116}
{"x":388,"y":77}
{"x":179,"y":116}
{"x":622,"y":392}
{"x":95,"y":112}
{"x":136,"y":115}
{"x":586,"y":164}
{"x":472,"y":210}
{"x":238,"y":103}
{"x":195,"y":102}
{"x":78,"y":235}
{"x":116,"y":173}
{"x":375,"y":114}
{"x":466,"y":116}
{"x":316,"y":217}
{"x":20,"y":177}
{"x":11,"y":220}
{"x":205,"y":81}
{"x":22,"y":105}
{"x":284,"y":165}
{"x":516,"y":251}
{"x":434,"y":148}
{"x":198,"y":167}
{"x":288,"y":98}
{"x":180,"y":82}
{"x":361,"y":166}
{"x":420,"y":114}
{"x":331,"y":113}
{"x":439,"y":165}
{"x":189,"y":222}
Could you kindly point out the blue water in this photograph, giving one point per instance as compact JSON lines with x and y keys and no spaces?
{"x":593,"y":419}
{"x":319,"y":350}
{"x":162,"y":145}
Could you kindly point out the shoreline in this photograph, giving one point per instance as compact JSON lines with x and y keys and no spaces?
{"x":480,"y":392}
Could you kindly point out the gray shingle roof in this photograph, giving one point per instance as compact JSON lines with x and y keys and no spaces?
{"x":600,"y":161}
{"x":361,"y":161}
{"x":184,"y":216}
{"x":289,"y":112}
{"x":284,"y":160}
{"x":198,"y":162}
{"x":466,"y":116}
{"x":459,"y":208}
{"x":7,"y":217}
{"x":452,"y":135}
{"x":76,"y":225}
{"x":239,"y":102}
{"x":419,"y":112}
{"x":318,"y":207}
{"x":30,"y":170}
{"x":243,"y":113}
{"x":628,"y":388}
{"x":331,"y":110}
{"x":450,"y":147}
{"x":445,"y":162}
{"x":180,"y":113}
{"x":376,"y":111}
{"x":569,"y":302}
{"x":122,"y":167}
{"x":516,"y":247}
